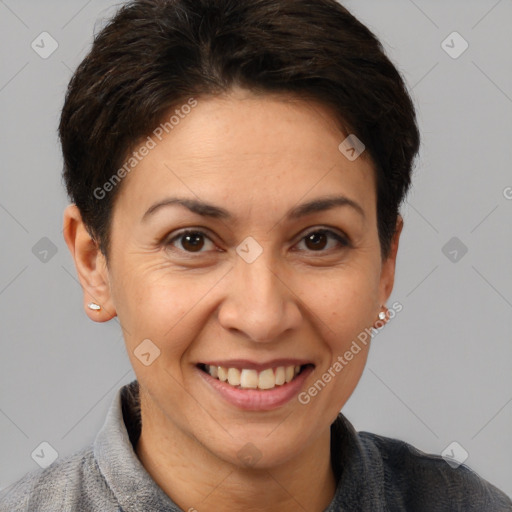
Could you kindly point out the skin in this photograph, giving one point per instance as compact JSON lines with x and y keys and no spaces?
{"x":296,"y":299}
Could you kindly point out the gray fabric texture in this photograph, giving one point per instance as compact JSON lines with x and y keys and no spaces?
{"x":373,"y":473}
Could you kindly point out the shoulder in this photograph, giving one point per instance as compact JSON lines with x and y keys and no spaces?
{"x":70,"y":483}
{"x":425,"y":481}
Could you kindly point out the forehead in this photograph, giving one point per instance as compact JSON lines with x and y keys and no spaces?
{"x":249,"y":151}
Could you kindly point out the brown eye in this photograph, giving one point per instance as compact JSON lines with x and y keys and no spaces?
{"x":318,"y":240}
{"x":191,"y":241}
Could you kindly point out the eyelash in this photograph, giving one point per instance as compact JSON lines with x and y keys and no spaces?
{"x":343,"y":241}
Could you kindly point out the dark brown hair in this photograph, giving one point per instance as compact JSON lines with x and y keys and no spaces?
{"x":154,"y":55}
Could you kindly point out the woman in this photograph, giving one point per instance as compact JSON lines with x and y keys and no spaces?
{"x":236,"y":170}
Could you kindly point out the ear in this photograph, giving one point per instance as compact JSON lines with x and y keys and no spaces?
{"x":90,"y":265}
{"x":387,"y":276}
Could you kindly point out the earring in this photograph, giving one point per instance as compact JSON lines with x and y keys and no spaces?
{"x":93,"y":305}
{"x":382,"y":318}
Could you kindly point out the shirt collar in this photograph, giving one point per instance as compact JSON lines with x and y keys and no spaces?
{"x":358,"y":469}
{"x":114,"y":452}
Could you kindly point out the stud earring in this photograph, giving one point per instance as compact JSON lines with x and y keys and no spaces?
{"x":382,"y":319}
{"x":93,"y":305}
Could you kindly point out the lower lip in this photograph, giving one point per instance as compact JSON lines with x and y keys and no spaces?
{"x":254,"y":399}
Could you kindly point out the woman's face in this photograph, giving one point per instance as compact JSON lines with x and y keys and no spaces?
{"x":261,"y":285}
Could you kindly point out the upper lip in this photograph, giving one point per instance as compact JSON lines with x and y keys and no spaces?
{"x":252,"y":365}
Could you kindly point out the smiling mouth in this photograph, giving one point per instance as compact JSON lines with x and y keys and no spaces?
{"x":246,"y":378}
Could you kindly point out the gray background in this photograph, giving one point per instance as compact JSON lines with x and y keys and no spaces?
{"x":439,"y":372}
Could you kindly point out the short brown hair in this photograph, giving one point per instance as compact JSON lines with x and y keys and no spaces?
{"x":153,"y":55}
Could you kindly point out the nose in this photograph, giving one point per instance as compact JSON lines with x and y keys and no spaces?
{"x":259,"y":301}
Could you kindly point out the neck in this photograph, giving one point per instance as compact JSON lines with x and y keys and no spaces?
{"x":194,"y":478}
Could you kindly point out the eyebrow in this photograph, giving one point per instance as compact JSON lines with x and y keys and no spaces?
{"x":209,"y":210}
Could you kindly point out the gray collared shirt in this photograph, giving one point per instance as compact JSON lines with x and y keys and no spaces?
{"x":374,"y":474}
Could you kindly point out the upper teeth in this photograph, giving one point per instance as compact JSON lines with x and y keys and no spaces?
{"x":248,"y":378}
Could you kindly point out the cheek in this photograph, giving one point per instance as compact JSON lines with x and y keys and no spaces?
{"x":343,"y":306}
{"x":157,"y":305}
{"x":343,"y":301}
